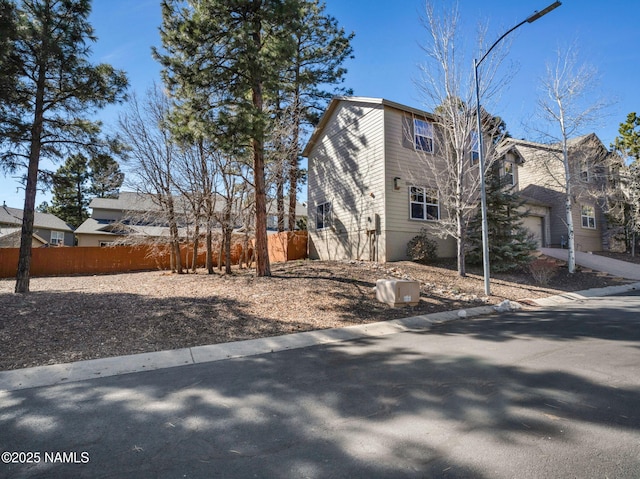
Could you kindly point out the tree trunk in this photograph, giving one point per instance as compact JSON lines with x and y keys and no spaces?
{"x":293,"y":161}
{"x":263,"y":268}
{"x":280,"y":200}
{"x":196,"y":243}
{"x":24,"y":258}
{"x":227,"y":250}
{"x":23,"y":274}
{"x":571,"y":260}
{"x":460,"y":247}
{"x":220,"y":251}
{"x":209,"y":250}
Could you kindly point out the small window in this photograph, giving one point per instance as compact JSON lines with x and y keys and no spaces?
{"x":423,"y":204}
{"x":588,"y":217}
{"x":584,"y":172}
{"x":509,"y":178}
{"x":104,"y":244}
{"x":475,"y":148}
{"x":423,"y":135}
{"x":57,"y":238}
{"x":323,"y":215}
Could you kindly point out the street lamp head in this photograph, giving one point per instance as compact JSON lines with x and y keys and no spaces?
{"x":542,"y":13}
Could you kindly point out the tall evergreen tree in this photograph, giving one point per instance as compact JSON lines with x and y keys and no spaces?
{"x":510,"y":243}
{"x":8,"y":65}
{"x":71,"y":189}
{"x":225,"y":56}
{"x":56,"y":86}
{"x":627,"y":144}
{"x":321,"y":48}
{"x":105,"y":176}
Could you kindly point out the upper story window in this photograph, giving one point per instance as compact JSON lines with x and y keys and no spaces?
{"x":475,"y":148}
{"x":423,"y":204}
{"x":423,"y":135}
{"x":584,"y":172}
{"x":323,"y":215}
{"x":588,"y":217}
{"x":507,"y":173}
{"x":57,"y":238}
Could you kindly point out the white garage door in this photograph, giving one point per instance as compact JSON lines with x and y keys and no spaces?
{"x":534,"y":225}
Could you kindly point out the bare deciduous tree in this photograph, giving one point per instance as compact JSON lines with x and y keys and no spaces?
{"x":568,"y":106}
{"x":151,"y":157}
{"x":447,"y":85}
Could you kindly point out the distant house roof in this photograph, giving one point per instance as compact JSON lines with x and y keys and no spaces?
{"x":553,"y":147}
{"x":13,"y":216}
{"x":143,"y":202}
{"x":127,"y":201}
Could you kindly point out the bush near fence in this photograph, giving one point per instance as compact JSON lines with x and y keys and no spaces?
{"x":60,"y":261}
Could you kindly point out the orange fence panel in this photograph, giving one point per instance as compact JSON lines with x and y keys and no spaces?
{"x":285,"y":246}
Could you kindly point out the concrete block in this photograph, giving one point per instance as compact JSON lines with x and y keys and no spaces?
{"x":398,"y":292}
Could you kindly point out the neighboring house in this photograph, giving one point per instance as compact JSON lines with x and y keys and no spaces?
{"x":137,"y":215}
{"x":48,"y":229}
{"x":369,"y":195}
{"x":541,"y":179}
{"x":114,"y":219}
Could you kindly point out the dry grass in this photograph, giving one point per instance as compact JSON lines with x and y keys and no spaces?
{"x":67,"y":319}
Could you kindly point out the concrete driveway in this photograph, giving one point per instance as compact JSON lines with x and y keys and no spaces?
{"x":552,"y":394}
{"x":622,"y":269}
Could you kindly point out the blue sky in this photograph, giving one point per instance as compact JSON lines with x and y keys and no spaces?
{"x":387,"y":53}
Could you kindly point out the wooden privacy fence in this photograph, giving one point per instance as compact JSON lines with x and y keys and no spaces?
{"x":285,"y":246}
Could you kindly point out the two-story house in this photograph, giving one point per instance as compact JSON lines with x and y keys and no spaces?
{"x":137,"y":215}
{"x":542,"y":177}
{"x":369,"y":193}
{"x":129,"y":215}
{"x":48,"y":229}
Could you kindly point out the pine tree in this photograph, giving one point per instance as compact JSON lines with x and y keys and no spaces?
{"x":55,"y":87}
{"x":321,"y":48}
{"x":71,"y":189}
{"x":510,"y":243}
{"x":627,"y":144}
{"x":105,"y":176}
{"x":224,"y":57}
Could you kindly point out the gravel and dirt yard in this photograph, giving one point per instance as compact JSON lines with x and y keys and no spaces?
{"x":74,"y":318}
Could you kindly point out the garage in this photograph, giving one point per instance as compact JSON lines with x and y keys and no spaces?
{"x":535,"y":225}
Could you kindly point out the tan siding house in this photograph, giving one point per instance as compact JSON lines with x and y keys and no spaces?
{"x":48,"y":229}
{"x":541,"y":179}
{"x":362,"y":168}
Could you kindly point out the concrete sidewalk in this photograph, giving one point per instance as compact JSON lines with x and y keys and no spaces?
{"x":596,"y":262}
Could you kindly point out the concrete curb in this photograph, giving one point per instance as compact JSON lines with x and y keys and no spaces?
{"x":39,"y":376}
{"x":17,"y":379}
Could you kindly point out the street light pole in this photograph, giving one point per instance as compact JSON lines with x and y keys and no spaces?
{"x":483,"y":190}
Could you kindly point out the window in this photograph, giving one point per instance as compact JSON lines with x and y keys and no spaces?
{"x":507,"y":174}
{"x":588,"y":217}
{"x":584,"y":172}
{"x":475,"y":148}
{"x":423,"y":204}
{"x":423,"y":135}
{"x":57,"y":238}
{"x":323,"y":215}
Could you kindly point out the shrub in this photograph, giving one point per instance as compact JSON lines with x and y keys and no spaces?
{"x":543,"y":270}
{"x":422,"y":249}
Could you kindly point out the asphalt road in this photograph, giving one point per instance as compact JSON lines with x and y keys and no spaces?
{"x":550,"y":394}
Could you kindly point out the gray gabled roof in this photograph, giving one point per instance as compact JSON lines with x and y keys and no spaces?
{"x":13,"y":216}
{"x":127,"y":201}
{"x":357,"y":99}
